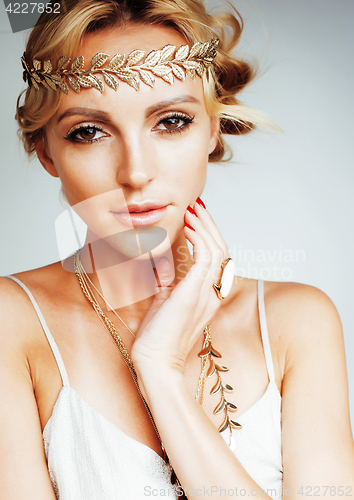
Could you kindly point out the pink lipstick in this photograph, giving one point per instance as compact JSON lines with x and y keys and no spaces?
{"x":142,"y":214}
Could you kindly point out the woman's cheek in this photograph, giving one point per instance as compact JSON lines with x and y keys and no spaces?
{"x":84,"y":174}
{"x":188,"y":162}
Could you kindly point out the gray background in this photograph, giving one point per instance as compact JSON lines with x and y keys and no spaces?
{"x":285,"y":204}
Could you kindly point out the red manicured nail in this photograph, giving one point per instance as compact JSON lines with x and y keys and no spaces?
{"x":200,"y":202}
{"x":191,"y":211}
{"x":189,"y":227}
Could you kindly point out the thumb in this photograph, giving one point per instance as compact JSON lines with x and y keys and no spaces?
{"x":164,"y":272}
{"x":164,"y":275}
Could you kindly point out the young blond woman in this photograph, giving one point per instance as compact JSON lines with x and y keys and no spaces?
{"x":82,"y":417}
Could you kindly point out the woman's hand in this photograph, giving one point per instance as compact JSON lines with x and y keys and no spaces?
{"x":199,"y":455}
{"x":178,"y":315}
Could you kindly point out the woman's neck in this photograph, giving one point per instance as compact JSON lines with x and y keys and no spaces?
{"x":131,"y":283}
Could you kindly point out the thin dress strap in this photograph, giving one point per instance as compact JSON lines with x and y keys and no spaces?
{"x":52,"y":343}
{"x":264,"y":331}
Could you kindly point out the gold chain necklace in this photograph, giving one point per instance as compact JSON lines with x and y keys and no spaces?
{"x":85,"y":282}
{"x":81,"y":270}
{"x":209,"y":367}
{"x":85,"y":287}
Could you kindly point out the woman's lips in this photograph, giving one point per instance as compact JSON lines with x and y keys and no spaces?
{"x":141,"y":218}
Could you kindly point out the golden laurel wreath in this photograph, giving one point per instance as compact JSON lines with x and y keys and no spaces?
{"x":186,"y":60}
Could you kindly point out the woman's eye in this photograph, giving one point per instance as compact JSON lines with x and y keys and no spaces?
{"x":85,"y":134}
{"x":174,"y":123}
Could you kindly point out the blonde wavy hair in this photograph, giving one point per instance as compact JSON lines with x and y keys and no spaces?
{"x":56,"y":35}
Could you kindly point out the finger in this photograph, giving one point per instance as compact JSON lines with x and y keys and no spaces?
{"x":207,"y":228}
{"x":209,"y":223}
{"x":206,"y":264}
{"x":217,"y":253}
{"x":218,"y":256}
{"x":164,"y":272}
{"x":164,"y":275}
{"x":201,"y":253}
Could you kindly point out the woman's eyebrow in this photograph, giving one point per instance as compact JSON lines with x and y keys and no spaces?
{"x":169,"y":102}
{"x":102,"y":115}
{"x":88,"y":112}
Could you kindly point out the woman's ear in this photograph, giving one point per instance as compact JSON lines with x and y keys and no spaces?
{"x":214,"y":134}
{"x":43,"y":156}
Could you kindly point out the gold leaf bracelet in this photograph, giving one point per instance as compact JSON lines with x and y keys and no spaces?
{"x":210,"y":368}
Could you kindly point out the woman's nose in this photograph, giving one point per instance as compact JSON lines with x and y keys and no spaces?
{"x":136,"y":165}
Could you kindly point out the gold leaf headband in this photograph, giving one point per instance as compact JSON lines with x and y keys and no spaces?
{"x":164,"y":63}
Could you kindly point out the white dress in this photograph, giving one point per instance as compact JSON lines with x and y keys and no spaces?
{"x":89,"y":458}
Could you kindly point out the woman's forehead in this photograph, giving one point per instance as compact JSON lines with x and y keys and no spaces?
{"x":123,"y":41}
{"x":131,"y":104}
{"x":118,"y":40}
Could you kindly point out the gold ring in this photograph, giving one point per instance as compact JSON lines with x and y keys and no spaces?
{"x":227,"y":278}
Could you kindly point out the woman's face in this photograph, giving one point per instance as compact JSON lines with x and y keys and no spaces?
{"x":150,"y":145}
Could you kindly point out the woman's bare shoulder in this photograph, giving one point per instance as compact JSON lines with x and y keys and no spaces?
{"x":303,"y":321}
{"x":296,"y":304}
{"x":284,"y":299}
{"x":43,"y":278}
{"x":299,"y":317}
{"x":292,"y":289}
{"x":17,"y":314}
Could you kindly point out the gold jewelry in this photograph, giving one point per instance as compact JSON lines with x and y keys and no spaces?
{"x":226,"y":280}
{"x":84,"y":282}
{"x":209,"y":368}
{"x":202,"y":378}
{"x":191,"y":61}
{"x":81,"y":270}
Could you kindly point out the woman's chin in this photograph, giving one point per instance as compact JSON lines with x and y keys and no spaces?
{"x":141,"y":243}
